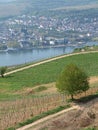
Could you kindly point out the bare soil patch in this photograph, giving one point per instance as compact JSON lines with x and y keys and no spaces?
{"x":50,"y":89}
{"x":93,"y":79}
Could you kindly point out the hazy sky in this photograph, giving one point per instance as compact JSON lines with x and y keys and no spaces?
{"x":6,"y":0}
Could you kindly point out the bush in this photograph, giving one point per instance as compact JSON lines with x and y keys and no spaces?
{"x":2,"y":71}
{"x":40,"y":88}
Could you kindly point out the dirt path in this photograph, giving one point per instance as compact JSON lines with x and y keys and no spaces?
{"x":47,"y":118}
{"x":75,"y":118}
{"x":48,"y":60}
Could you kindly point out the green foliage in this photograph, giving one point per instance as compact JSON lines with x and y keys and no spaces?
{"x":13,"y":44}
{"x":73,"y":80}
{"x":49,"y":72}
{"x":2,"y":71}
{"x":11,"y":128}
{"x":87,"y":48}
{"x":92,"y":128}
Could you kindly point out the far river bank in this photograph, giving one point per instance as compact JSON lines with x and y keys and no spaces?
{"x":36,"y":54}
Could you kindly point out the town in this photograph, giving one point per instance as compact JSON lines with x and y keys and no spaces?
{"x":28,"y":31}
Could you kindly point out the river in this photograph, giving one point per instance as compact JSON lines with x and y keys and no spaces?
{"x":36,"y":54}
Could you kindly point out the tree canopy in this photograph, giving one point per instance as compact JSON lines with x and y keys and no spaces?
{"x":72,"y":80}
{"x":2,"y":71}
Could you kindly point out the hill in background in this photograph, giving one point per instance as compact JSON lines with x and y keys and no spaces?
{"x":19,"y":7}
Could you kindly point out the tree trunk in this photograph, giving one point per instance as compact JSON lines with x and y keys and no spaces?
{"x":72,"y":96}
{"x":2,"y":76}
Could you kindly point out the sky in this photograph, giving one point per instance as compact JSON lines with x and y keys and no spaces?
{"x":6,"y":1}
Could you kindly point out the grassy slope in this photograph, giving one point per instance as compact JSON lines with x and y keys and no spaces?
{"x":46,"y":73}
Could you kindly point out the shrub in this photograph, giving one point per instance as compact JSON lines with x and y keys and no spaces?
{"x":40,"y":88}
{"x":2,"y":71}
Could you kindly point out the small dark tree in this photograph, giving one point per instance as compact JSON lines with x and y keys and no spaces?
{"x":2,"y":71}
{"x":72,"y":80}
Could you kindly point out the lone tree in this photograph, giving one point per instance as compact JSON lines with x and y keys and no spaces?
{"x":2,"y":71}
{"x":72,"y":80}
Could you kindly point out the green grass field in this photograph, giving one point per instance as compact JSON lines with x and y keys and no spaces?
{"x":45,"y":73}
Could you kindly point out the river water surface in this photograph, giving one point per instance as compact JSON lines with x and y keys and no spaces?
{"x":38,"y":54}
